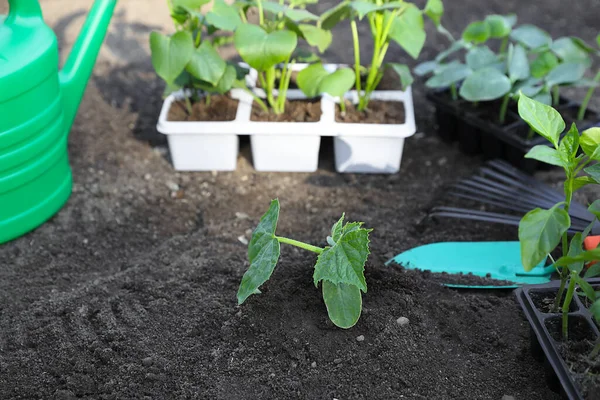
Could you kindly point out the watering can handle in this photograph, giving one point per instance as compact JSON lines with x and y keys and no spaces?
{"x":24,"y":9}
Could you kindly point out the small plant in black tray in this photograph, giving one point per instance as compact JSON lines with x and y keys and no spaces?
{"x":563,"y":325}
{"x":476,"y":82}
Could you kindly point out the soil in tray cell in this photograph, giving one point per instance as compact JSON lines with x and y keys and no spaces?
{"x":221,"y":108}
{"x":544,"y":301}
{"x":377,"y":112}
{"x":295,"y":111}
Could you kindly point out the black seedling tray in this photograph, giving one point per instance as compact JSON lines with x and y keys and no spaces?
{"x":478,"y":135}
{"x":544,"y":347}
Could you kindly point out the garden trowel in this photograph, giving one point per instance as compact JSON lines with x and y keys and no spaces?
{"x":495,"y":260}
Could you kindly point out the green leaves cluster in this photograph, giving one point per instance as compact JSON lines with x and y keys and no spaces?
{"x":540,"y":230}
{"x":528,"y":61}
{"x":339,"y":267}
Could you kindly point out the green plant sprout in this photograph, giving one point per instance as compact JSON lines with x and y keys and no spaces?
{"x":188,"y":59}
{"x":593,"y":84}
{"x":397,"y":21}
{"x":270,"y":46}
{"x":541,"y":231}
{"x":340,"y":265}
{"x":528,"y":61}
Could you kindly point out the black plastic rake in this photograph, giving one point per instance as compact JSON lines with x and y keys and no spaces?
{"x":513,"y":193}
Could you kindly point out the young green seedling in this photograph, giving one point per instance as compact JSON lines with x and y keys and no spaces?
{"x":593,"y":84}
{"x":397,"y":21}
{"x":188,"y":59}
{"x":541,"y":231}
{"x":340,"y":265}
{"x":269,"y":47}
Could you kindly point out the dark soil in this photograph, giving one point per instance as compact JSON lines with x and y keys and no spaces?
{"x":569,"y":114}
{"x":221,"y":108}
{"x":544,"y":301}
{"x":295,"y":111}
{"x":464,"y":279}
{"x":377,"y":112}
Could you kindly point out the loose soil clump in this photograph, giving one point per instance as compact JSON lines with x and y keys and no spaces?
{"x":221,"y":108}
{"x":295,"y":111}
{"x":378,"y":112}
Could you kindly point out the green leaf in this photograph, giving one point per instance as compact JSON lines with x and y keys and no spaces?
{"x":227,"y":80}
{"x":447,"y":75}
{"x":594,"y":208}
{"x":171,"y":54}
{"x":543,"y":64}
{"x":595,"y":308}
{"x":485,"y":84}
{"x":223,"y":16}
{"x":598,"y":40}
{"x":408,"y":30}
{"x":543,"y":97}
{"x":540,"y":231}
{"x":315,"y":80}
{"x":589,"y":141}
{"x":589,"y":255}
{"x":477,"y":32}
{"x":206,"y":64}
{"x":500,"y":25}
{"x":434,"y":9}
{"x":406,"y":78}
{"x":531,"y":36}
{"x":337,"y":229}
{"x":425,"y":68}
{"x":543,"y":119}
{"x":263,"y":253}
{"x":480,"y":57}
{"x":295,"y":15}
{"x":546,"y":155}
{"x":575,"y":249}
{"x":594,"y":172}
{"x":362,"y":7}
{"x":565,"y":73}
{"x":333,"y":16}
{"x":189,"y":4}
{"x":345,"y":261}
{"x":262,"y":50}
{"x":518,"y":64}
{"x":570,"y":143}
{"x":585,"y":286}
{"x":454,"y":47}
{"x":582,"y":181}
{"x":572,"y":49}
{"x":592,"y":272}
{"x":316,"y":37}
{"x":344,"y":303}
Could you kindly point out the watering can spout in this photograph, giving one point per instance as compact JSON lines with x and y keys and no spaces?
{"x":79,"y":64}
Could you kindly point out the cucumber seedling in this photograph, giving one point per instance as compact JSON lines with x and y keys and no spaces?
{"x":340,"y":265}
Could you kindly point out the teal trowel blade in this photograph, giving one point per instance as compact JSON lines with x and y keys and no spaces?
{"x":496,"y":260}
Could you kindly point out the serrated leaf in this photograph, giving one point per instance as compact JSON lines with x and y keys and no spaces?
{"x":541,"y":118}
{"x":447,"y":75}
{"x":434,"y":9}
{"x":171,"y":54}
{"x":262,"y":50}
{"x":480,"y":57}
{"x":408,"y":30}
{"x":317,"y":37}
{"x":590,"y":140}
{"x":500,"y":25}
{"x":543,"y":64}
{"x":485,"y":84}
{"x":531,"y":36}
{"x":540,"y":231}
{"x":263,"y":253}
{"x":406,"y":79}
{"x":476,"y":32}
{"x":546,"y":155}
{"x":518,"y":64}
{"x":345,"y":262}
{"x":570,"y":143}
{"x":206,"y":64}
{"x":315,"y":80}
{"x":565,"y":73}
{"x":575,"y":249}
{"x":337,"y":228}
{"x":223,"y":16}
{"x":344,"y":303}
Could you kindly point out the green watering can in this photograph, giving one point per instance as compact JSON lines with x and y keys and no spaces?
{"x":38,"y":104}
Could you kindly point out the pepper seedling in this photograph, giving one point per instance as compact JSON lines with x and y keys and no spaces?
{"x":396,"y":21}
{"x":188,"y":59}
{"x":541,"y":231}
{"x":340,"y":265}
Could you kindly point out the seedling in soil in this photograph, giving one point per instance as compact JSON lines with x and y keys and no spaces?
{"x":270,"y":46}
{"x":340,"y":265}
{"x":527,"y":61}
{"x":540,"y":230}
{"x":396,"y":21}
{"x":188,"y":59}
